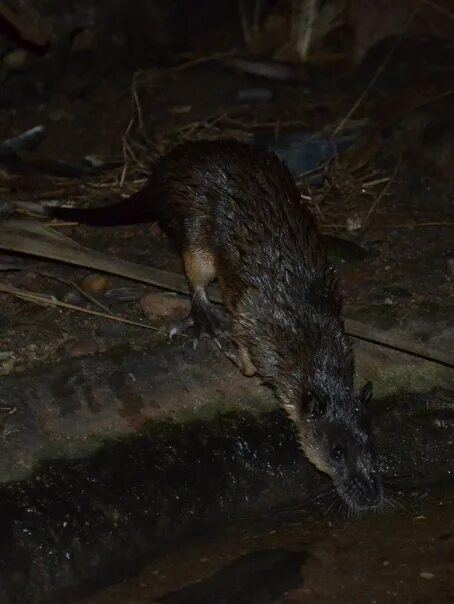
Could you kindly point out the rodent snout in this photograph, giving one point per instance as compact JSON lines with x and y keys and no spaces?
{"x":362,"y":492}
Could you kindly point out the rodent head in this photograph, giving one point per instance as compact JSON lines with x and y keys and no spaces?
{"x":335,"y":437}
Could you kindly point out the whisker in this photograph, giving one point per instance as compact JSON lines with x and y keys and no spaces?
{"x":396,"y":477}
{"x":321,"y":496}
{"x":331,"y":511}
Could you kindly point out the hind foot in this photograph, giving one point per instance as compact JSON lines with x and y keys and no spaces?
{"x":203,"y":319}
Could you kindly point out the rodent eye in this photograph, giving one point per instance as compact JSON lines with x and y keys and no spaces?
{"x":337,"y":453}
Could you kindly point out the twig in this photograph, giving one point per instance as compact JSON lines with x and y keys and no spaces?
{"x":382,"y":192}
{"x":65,"y":282}
{"x":256,"y":18}
{"x":397,"y":342}
{"x":374,"y":183}
{"x":51,"y":301}
{"x":379,"y":71}
{"x":214,"y":57}
{"x":441,"y":9}
{"x":405,"y":225}
{"x":138,"y":108}
{"x":124,"y":139}
{"x":90,"y":298}
{"x":431,"y":99}
{"x":244,"y":24}
{"x":306,"y":17}
{"x":410,"y":225}
{"x":7,"y":411}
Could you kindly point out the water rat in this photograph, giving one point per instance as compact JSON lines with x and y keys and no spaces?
{"x":237,"y":215}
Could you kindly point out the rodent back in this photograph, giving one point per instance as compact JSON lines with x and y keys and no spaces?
{"x":243,"y":205}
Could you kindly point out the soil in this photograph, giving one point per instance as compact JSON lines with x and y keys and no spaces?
{"x":398,"y":556}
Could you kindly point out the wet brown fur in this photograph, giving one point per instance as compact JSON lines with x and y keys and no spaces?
{"x":236,"y":214}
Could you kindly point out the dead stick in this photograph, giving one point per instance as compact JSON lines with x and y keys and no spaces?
{"x":177,"y":283}
{"x":382,"y":192}
{"x":379,"y":71}
{"x":396,"y":342}
{"x":51,"y":301}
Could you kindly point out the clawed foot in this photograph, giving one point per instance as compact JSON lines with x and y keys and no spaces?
{"x":204,"y":320}
{"x":214,"y":323}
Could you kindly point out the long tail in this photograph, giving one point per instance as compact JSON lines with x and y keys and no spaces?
{"x":133,"y":210}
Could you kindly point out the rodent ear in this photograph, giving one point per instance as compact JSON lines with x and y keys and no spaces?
{"x":365,"y":394}
{"x":313,"y":407}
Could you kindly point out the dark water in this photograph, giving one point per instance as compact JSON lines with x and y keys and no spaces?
{"x":405,"y":555}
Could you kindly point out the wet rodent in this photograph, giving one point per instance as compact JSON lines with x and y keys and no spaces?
{"x":236,"y":214}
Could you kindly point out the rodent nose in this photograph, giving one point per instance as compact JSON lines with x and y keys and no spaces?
{"x":374,"y":492}
{"x":366,"y":491}
{"x":373,"y":481}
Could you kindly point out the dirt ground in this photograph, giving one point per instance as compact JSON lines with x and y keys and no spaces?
{"x":404,"y":224}
{"x":404,"y":556}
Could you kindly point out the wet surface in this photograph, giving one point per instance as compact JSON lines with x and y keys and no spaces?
{"x":404,"y":555}
{"x":80,"y":524}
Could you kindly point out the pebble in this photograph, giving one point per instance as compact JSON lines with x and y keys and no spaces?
{"x":164,"y":306}
{"x":354,"y":224}
{"x":81,"y":347}
{"x":74,"y":297}
{"x":94,"y":284}
{"x":15,"y":60}
{"x":426,"y":575}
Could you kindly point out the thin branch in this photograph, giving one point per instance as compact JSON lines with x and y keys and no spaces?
{"x":379,"y":71}
{"x":441,"y":9}
{"x":382,"y":192}
{"x":42,"y":299}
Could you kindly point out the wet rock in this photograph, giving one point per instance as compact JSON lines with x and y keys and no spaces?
{"x":163,"y":306}
{"x":81,"y":347}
